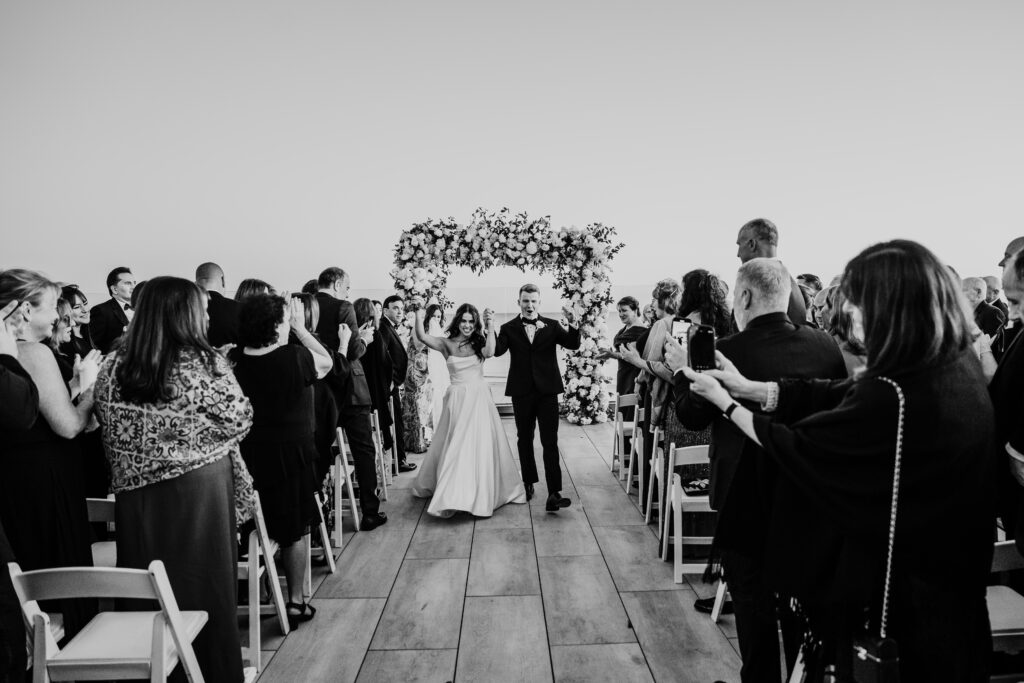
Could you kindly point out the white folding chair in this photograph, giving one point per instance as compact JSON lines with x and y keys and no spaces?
{"x":622,"y":431}
{"x":634,"y":470}
{"x":251,"y":570}
{"x":323,"y":551}
{"x":681,"y":504}
{"x":659,"y":454}
{"x":1005,"y":605}
{"x":343,"y":473}
{"x":113,"y":645}
{"x":104,"y":553}
{"x":384,"y":474}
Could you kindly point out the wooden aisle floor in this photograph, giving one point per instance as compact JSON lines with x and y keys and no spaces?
{"x":523,"y":596}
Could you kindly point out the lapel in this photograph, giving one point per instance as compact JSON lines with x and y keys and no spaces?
{"x":522,"y":326}
{"x":119,"y":311}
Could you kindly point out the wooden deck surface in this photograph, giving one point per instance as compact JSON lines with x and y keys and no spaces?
{"x":580,"y":595}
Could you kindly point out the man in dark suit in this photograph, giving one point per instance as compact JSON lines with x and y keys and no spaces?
{"x":993,"y":288}
{"x":110,"y":319}
{"x":391,"y":318}
{"x":223,"y":311}
{"x":534,"y":383}
{"x":987,"y":317}
{"x":759,"y":238}
{"x":352,"y":394}
{"x":768,"y":347}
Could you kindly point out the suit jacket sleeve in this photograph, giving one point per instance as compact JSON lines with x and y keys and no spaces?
{"x":356,"y":345}
{"x":693,"y":412}
{"x":568,"y":338}
{"x":18,"y":396}
{"x":100,"y":328}
{"x":799,"y":398}
{"x":399,"y":357}
{"x":501,"y":343}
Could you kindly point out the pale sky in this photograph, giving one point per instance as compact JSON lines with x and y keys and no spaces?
{"x":278,"y":138}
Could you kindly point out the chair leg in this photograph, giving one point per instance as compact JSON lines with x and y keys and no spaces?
{"x":664,"y":510}
{"x":340,"y":484}
{"x":307,"y":575}
{"x":352,"y":502}
{"x":677,"y":538}
{"x":798,"y":668}
{"x":324,"y":538}
{"x":650,"y":493}
{"x":716,"y":611}
{"x":275,"y":593}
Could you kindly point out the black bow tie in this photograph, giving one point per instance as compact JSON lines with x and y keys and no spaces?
{"x":531,"y":321}
{"x":128,"y":307}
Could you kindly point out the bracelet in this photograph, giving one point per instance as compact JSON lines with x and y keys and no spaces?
{"x":771,"y":399}
{"x":729,"y":411}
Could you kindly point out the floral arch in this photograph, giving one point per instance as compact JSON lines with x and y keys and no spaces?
{"x":578,"y":259}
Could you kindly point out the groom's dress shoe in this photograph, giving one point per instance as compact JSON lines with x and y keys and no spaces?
{"x":406,"y":466}
{"x":556,"y":502}
{"x":529,"y":492}
{"x":371,"y":522}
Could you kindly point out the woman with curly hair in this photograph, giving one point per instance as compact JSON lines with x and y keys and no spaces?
{"x":469,"y":466}
{"x":280,"y":450}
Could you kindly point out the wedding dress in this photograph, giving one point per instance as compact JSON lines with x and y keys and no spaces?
{"x":437,"y":369}
{"x":469,"y":465}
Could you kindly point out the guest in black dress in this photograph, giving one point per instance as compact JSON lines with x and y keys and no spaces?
{"x":42,"y":503}
{"x":19,"y":408}
{"x":280,"y":450}
{"x":633,"y":328}
{"x":376,"y":364}
{"x":835,"y":442}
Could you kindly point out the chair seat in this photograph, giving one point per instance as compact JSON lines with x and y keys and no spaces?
{"x":1005,"y":611}
{"x":104,"y":554}
{"x":117,"y":645}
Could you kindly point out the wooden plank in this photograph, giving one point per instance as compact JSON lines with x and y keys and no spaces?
{"x":580,"y":602}
{"x":566,"y":534}
{"x":511,"y":516}
{"x":403,"y":508}
{"x":504,"y":562}
{"x":609,"y":507}
{"x":424,"y":611}
{"x":346,"y":625}
{"x":591,"y":471}
{"x":503,"y":639}
{"x":632,"y":556}
{"x":408,"y":666}
{"x":680,"y":643}
{"x":369,"y":564}
{"x":438,"y":539}
{"x":615,"y":663}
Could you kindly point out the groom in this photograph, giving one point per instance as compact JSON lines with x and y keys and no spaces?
{"x":534,"y":384}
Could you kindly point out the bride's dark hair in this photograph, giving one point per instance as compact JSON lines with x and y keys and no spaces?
{"x":476,"y":339}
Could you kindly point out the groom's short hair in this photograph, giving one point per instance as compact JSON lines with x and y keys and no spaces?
{"x":531,"y":288}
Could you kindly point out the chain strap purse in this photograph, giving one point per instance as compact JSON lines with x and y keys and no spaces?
{"x":876,"y":660}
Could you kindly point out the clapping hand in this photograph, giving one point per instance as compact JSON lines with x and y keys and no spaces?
{"x":8,"y":339}
{"x":296,"y":315}
{"x":366,"y":332}
{"x":344,"y":337}
{"x":630,"y":355}
{"x":676,"y":354}
{"x":86,"y":369}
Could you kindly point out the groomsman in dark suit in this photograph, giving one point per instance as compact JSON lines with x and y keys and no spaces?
{"x":223,"y":311}
{"x":351,"y":394}
{"x":110,"y":319}
{"x":769,"y":346}
{"x":759,"y":238}
{"x":534,"y":383}
{"x":987,"y":317}
{"x":391,"y":318}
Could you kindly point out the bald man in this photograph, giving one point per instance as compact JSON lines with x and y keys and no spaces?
{"x":759,"y":238}
{"x":223,"y":311}
{"x":1015,"y":245}
{"x":987,"y":317}
{"x":994,"y":287}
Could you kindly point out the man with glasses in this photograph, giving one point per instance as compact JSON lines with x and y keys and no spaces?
{"x":110,"y":319}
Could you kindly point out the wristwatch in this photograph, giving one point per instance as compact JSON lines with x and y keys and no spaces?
{"x":729,"y":411}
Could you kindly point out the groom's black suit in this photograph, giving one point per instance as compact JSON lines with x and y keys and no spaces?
{"x":534,"y":383}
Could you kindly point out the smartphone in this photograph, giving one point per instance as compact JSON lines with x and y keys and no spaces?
{"x":680,"y":329}
{"x":701,"y":347}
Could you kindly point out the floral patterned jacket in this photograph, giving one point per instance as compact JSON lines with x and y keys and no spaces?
{"x":206,"y":421}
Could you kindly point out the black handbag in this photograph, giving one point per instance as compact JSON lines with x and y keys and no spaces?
{"x":876,"y":659}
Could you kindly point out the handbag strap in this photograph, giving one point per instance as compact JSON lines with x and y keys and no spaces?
{"x":895,"y":499}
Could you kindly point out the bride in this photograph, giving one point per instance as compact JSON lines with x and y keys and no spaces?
{"x":469,"y":466}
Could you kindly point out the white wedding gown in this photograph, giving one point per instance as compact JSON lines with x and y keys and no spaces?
{"x":469,"y":466}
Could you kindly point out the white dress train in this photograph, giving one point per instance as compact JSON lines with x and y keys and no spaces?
{"x":469,"y":466}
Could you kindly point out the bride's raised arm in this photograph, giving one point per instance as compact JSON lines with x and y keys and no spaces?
{"x":489,"y":338}
{"x":431,"y":342}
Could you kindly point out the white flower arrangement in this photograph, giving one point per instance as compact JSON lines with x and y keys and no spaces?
{"x":577,"y":257}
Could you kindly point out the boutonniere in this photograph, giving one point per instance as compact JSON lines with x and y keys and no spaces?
{"x":540,"y":324}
